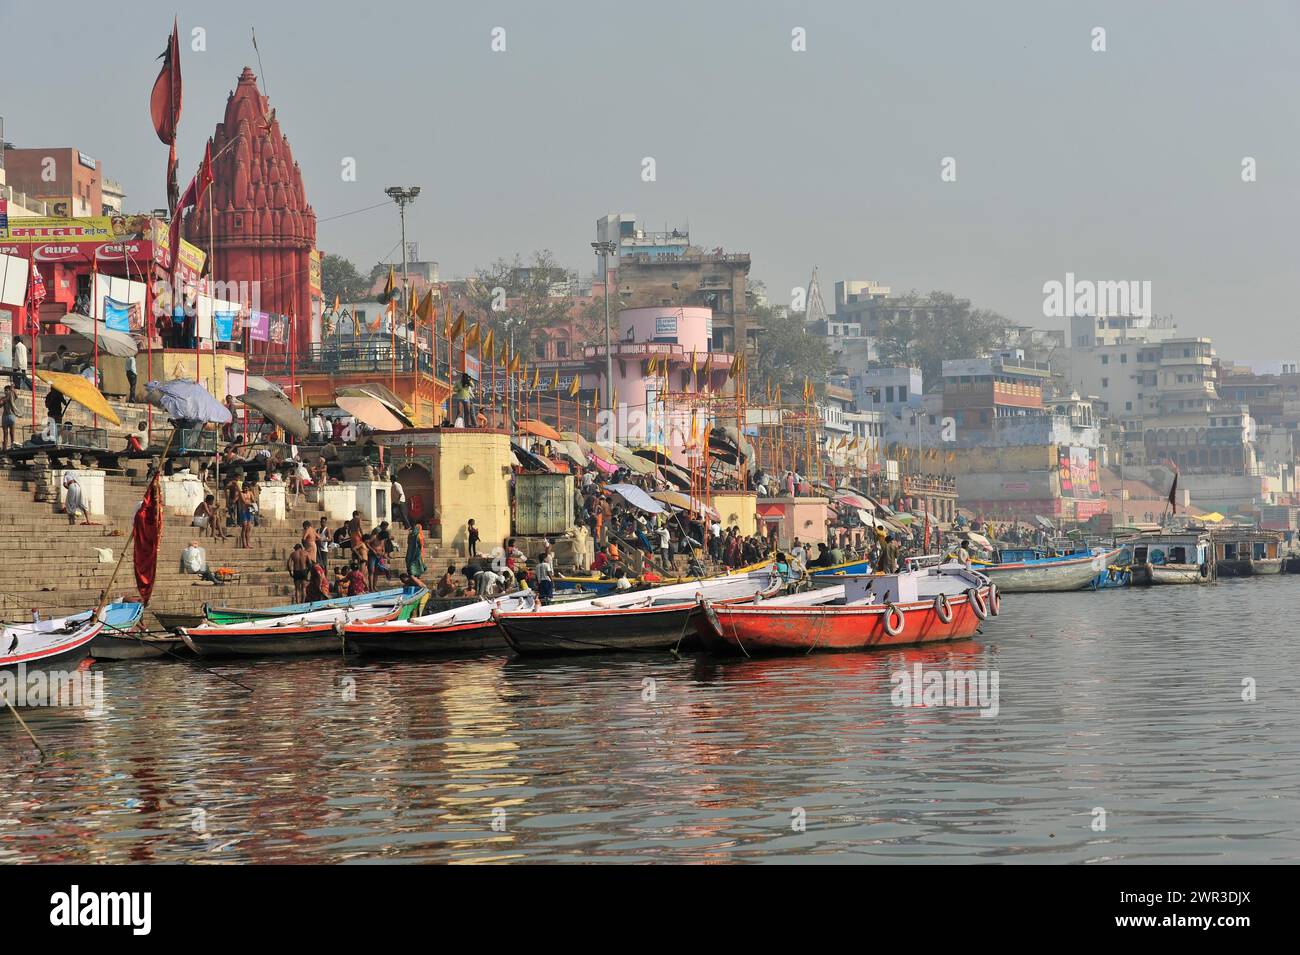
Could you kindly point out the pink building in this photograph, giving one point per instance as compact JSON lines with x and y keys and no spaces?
{"x":679,"y":335}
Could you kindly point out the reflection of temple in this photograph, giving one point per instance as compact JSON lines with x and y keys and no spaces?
{"x":264,"y":230}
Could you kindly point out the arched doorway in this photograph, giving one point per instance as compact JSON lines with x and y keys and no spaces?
{"x":417,"y":482}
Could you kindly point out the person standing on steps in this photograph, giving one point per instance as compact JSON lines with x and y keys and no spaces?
{"x":310,"y":540}
{"x":245,"y":505}
{"x":415,"y":566}
{"x":8,"y":415}
{"x":299,"y":567}
{"x":20,"y":365}
{"x":399,"y":504}
{"x":472,"y":534}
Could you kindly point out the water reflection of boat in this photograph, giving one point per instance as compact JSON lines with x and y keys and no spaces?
{"x":658,"y":619}
{"x":947,"y":602}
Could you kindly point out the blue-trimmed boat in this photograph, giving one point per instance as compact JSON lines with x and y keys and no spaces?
{"x":848,"y":567}
{"x":1029,"y":570}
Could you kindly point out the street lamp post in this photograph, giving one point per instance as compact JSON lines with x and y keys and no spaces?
{"x":605,"y":249}
{"x":404,"y":196}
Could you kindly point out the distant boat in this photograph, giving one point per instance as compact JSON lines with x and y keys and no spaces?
{"x":848,"y":567}
{"x":1242,"y":552}
{"x":947,"y":602}
{"x":598,"y":586}
{"x":1027,"y":571}
{"x":463,"y":629}
{"x":1172,"y":558}
{"x":657,"y":619}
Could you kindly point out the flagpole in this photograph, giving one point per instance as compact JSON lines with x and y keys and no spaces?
{"x":293,"y":360}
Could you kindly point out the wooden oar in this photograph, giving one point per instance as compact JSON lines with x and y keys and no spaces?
{"x":26,"y":728}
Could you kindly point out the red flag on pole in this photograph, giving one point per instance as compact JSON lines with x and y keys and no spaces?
{"x":165,"y":107}
{"x":147,"y":538}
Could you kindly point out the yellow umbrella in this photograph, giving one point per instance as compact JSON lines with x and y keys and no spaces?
{"x":1213,"y":517}
{"x":81,"y":391}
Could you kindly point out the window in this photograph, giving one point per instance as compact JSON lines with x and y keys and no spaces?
{"x":902,"y":392}
{"x":889,"y":394}
{"x":1128,"y":406}
{"x":1105,"y":382}
{"x":1105,"y":359}
{"x":1123,"y":358}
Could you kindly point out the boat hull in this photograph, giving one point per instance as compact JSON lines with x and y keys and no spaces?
{"x":1249,"y":567}
{"x":650,"y":628}
{"x":264,"y":641}
{"x":756,"y":629}
{"x":478,"y":637}
{"x":1149,"y":575}
{"x":114,"y":647}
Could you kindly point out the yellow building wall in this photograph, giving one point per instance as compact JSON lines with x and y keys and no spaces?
{"x":180,"y":364}
{"x":1039,"y":457}
{"x":736,"y":508}
{"x":473,"y":475}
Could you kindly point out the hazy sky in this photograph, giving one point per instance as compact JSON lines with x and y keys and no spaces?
{"x":1117,"y":165}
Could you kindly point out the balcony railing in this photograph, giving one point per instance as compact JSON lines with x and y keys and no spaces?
{"x":363,"y":356}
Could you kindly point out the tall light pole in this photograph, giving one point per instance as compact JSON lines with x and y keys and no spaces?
{"x":403,"y":196}
{"x":605,"y":250}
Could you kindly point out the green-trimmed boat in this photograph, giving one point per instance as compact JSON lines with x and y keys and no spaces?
{"x":400,"y":596}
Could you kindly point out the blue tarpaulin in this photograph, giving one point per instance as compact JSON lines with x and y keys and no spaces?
{"x":187,"y":400}
{"x":638,"y":498}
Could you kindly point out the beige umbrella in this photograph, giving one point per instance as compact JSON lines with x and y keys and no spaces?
{"x":276,"y":407}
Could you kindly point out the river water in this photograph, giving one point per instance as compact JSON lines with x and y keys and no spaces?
{"x":1121,"y":735}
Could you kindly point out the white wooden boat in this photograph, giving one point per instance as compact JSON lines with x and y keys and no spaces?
{"x":465,"y":629}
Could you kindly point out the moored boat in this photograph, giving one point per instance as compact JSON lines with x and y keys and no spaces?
{"x":60,"y":644}
{"x":320,"y":631}
{"x":117,"y":640}
{"x":948,"y":602}
{"x":1172,"y":558}
{"x":597,"y":586}
{"x":393,"y":597}
{"x":1027,"y":572}
{"x":464,"y":629}
{"x":661,"y":618}
{"x":836,"y":570}
{"x":1243,"y":552}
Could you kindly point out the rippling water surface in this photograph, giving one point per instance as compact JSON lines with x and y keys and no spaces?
{"x":1128,"y":702}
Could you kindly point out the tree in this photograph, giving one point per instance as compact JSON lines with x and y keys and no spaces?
{"x":531,"y":298}
{"x":787,"y":354}
{"x":924,"y":331}
{"x":340,"y":277}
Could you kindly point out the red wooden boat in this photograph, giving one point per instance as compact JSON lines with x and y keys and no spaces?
{"x":948,"y":602}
